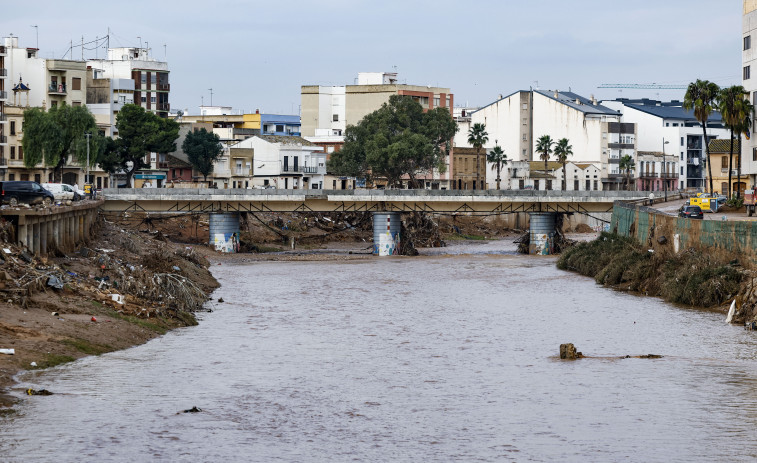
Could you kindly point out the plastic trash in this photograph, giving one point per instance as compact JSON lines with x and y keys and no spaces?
{"x":8,"y":351}
{"x":176,"y":268}
{"x":34,"y":364}
{"x":94,"y":319}
{"x":54,"y":282}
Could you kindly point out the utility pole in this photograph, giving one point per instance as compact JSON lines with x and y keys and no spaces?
{"x":211,"y":96}
{"x":665,"y":169}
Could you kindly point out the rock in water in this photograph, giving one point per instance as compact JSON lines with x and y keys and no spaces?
{"x":568,"y":352}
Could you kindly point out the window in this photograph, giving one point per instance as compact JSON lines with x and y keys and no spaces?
{"x":144,"y":99}
{"x":13,"y":152}
{"x":335,"y":118}
{"x":588,"y":185}
{"x":681,"y":141}
{"x":524,"y":137}
{"x":153,"y":99}
{"x":76,"y":103}
{"x":436,"y":102}
{"x":596,"y":186}
{"x":724,"y":164}
{"x":525,"y":106}
{"x":279,"y":128}
{"x":754,"y":154}
{"x":20,"y":153}
{"x":13,"y":127}
{"x":11,"y":176}
{"x":525,"y":121}
{"x":154,"y":77}
{"x":143,"y":77}
{"x":746,"y":73}
{"x":747,"y":42}
{"x":76,"y":83}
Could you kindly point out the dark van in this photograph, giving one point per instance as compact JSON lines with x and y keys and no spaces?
{"x":24,"y":192}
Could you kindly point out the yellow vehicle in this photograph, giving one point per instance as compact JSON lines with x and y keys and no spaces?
{"x":705,"y":201}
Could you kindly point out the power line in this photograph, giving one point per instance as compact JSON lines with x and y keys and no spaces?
{"x":645,"y":86}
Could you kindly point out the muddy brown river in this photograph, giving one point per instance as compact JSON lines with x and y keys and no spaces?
{"x":446,"y":357}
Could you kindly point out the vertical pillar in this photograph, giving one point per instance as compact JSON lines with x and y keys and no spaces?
{"x":224,"y":231}
{"x":56,"y":233}
{"x":43,"y":238}
{"x":21,"y":233}
{"x":386,"y":233}
{"x":542,"y":233}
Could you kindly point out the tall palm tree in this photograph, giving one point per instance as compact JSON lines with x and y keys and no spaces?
{"x":499,"y":159}
{"x":627,"y":164}
{"x":701,"y":96}
{"x":562,"y":151}
{"x":746,"y":110}
{"x":544,"y":148}
{"x":477,"y":137}
{"x":729,"y":105}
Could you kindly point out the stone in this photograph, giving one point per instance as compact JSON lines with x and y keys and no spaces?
{"x":568,"y":352}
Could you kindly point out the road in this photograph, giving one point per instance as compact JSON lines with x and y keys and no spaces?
{"x":672,"y":207}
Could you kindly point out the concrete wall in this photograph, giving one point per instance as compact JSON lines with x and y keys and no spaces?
{"x":647,"y":225}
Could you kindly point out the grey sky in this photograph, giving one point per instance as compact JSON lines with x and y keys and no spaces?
{"x":257,"y":54}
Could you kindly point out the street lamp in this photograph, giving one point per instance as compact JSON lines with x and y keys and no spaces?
{"x":665,"y":168}
{"x":86,"y":175}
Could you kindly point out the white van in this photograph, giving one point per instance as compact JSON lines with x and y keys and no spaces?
{"x":62,"y":192}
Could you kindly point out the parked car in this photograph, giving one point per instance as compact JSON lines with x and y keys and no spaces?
{"x":24,"y":192}
{"x":62,"y":191}
{"x":691,"y":212}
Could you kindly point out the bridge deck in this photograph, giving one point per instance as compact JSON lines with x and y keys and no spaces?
{"x":180,"y":200}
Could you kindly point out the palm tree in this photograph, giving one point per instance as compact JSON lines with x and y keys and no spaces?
{"x":729,"y":105}
{"x":562,"y":151}
{"x":544,"y":148}
{"x":627,"y":164}
{"x":701,"y":96}
{"x":499,"y":159}
{"x":477,"y":137}
{"x":746,"y":111}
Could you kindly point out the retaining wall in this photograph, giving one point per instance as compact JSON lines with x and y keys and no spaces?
{"x":647,"y":225}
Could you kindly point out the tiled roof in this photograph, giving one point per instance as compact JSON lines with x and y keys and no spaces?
{"x":724,"y":146}
{"x":539,"y":165}
{"x":286,"y":140}
{"x":173,"y":161}
{"x":465,"y":150}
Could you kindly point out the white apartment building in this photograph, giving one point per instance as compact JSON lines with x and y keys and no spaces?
{"x":106,"y":97}
{"x":749,"y":62}
{"x":323,"y":112}
{"x":150,"y":76}
{"x":596,"y":133}
{"x":283,"y":162}
{"x":665,"y":127}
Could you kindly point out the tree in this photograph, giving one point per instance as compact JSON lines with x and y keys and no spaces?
{"x":627,"y":164}
{"x":563,"y":149}
{"x":729,"y":105}
{"x":54,"y":136}
{"x":746,"y":109}
{"x":203,"y":149}
{"x":477,"y":137}
{"x":140,"y":132}
{"x":499,"y":159}
{"x":701,"y":96}
{"x":544,"y":148}
{"x":394,"y":141}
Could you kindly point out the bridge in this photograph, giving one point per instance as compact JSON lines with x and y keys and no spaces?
{"x":178,"y":200}
{"x":224,"y":206}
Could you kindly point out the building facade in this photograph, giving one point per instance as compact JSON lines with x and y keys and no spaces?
{"x":749,"y":62}
{"x":720,"y":154}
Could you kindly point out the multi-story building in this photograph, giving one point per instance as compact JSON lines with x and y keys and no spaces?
{"x":720,"y":155}
{"x":515,"y":122}
{"x":463,"y":167}
{"x":326,"y":111}
{"x":3,"y":117}
{"x":665,"y":127}
{"x":232,"y":127}
{"x":150,"y":76}
{"x":106,"y":97}
{"x":749,"y":61}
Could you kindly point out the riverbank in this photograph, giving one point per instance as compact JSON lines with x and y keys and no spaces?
{"x":56,"y":310}
{"x":693,"y":277}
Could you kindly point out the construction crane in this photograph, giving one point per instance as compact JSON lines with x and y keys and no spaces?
{"x":645,"y":86}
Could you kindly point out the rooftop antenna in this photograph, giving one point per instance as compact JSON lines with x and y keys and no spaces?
{"x":211,"y":96}
{"x":165,"y":52}
{"x":37,"y":30}
{"x":140,"y":43}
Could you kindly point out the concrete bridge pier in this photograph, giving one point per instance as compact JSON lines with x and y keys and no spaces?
{"x":386,"y":233}
{"x":224,"y":231}
{"x":542,"y":233}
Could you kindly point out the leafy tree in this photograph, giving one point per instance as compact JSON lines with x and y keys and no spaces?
{"x":701,"y":96}
{"x":544,"y":148}
{"x":203,"y":149}
{"x":728,"y":104}
{"x":54,"y":136}
{"x":563,"y":149}
{"x":499,"y":159}
{"x":394,"y":141}
{"x":627,"y":164}
{"x":140,"y":132}
{"x":478,"y":137}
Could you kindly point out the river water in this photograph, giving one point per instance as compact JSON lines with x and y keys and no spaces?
{"x":445,"y":357}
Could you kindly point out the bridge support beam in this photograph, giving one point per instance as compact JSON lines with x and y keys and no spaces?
{"x":542,"y":233}
{"x":224,"y":231}
{"x":386,"y":233}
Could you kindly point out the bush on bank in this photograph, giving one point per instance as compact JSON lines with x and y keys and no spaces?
{"x":690,"y":277}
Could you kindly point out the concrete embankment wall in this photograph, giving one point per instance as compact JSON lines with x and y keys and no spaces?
{"x":648,"y":225}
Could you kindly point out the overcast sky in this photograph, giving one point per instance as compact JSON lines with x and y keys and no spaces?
{"x":256,"y":54}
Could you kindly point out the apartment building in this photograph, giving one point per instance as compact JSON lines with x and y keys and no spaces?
{"x":3,"y":117}
{"x":720,"y":155}
{"x":749,"y":62}
{"x":150,"y":76}
{"x":665,"y":128}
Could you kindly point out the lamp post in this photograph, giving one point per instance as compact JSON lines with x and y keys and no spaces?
{"x":665,"y":169}
{"x":86,"y":174}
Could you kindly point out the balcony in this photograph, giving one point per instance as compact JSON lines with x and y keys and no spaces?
{"x":3,"y":52}
{"x":163,"y":165}
{"x":3,"y":95}
{"x":3,"y":162}
{"x":3,"y":140}
{"x":304,"y":170}
{"x":3,"y":118}
{"x":165,"y":87}
{"x":56,"y":89}
{"x":163,"y":107}
{"x":625,"y":146}
{"x":3,"y":73}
